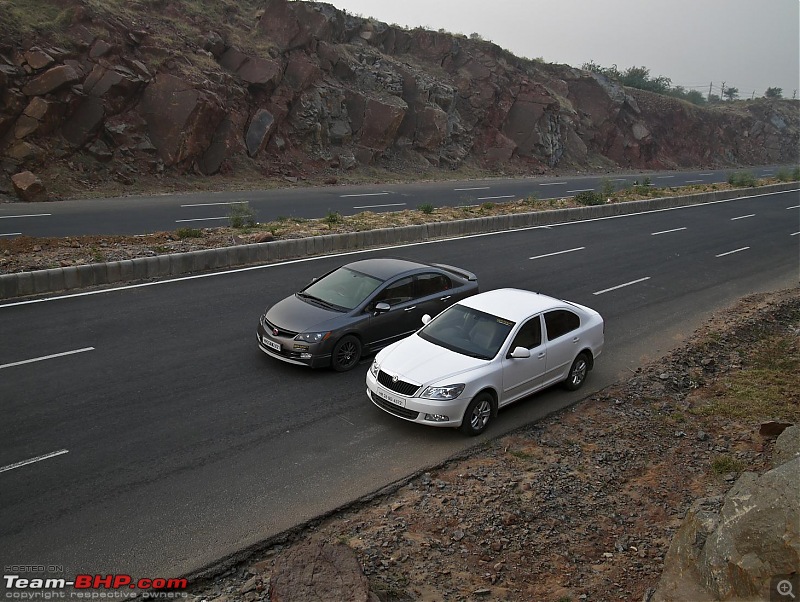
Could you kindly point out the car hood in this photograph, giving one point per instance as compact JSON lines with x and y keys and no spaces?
{"x":415,"y":359}
{"x":298,"y":316}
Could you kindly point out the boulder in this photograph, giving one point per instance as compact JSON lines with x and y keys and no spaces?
{"x":84,"y":123}
{"x":787,"y":447}
{"x":735,"y":553}
{"x":301,"y":71}
{"x":38,"y":59}
{"x":292,"y":25}
{"x":382,"y":118}
{"x":29,"y":187}
{"x":258,"y":132}
{"x":318,"y":570}
{"x":51,"y":80}
{"x":260,"y":72}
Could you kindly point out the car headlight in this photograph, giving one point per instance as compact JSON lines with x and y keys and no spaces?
{"x":312,"y":337}
{"x":446,"y":392}
{"x":375,"y":368}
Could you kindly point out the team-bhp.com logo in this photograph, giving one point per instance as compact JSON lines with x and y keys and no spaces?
{"x":94,"y":582}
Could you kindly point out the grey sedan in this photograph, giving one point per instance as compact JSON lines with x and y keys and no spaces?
{"x":359,"y":308}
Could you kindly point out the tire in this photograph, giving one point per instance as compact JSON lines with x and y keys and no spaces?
{"x":577,"y":373}
{"x":478,"y":414}
{"x":346,"y":353}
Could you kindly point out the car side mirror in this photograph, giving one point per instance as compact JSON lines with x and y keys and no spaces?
{"x":382,"y":308}
{"x":520,"y":353}
{"x":425,"y":319}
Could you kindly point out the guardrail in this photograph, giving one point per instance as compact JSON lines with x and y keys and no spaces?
{"x":26,"y":284}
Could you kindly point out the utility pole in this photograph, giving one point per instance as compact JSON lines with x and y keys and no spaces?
{"x":722,"y":94}
{"x":711,"y":85}
{"x":794,"y":94}
{"x":753,"y":95}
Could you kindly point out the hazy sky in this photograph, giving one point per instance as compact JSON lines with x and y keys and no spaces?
{"x":748,"y":44}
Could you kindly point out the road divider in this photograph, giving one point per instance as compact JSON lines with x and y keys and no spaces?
{"x":28,"y":284}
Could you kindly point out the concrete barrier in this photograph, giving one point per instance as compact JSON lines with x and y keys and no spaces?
{"x":27,"y":284}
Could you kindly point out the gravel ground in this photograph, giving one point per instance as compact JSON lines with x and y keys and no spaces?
{"x":579,"y":506}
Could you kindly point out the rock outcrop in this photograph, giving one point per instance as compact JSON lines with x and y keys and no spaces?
{"x":318,"y":89}
{"x":734,"y":549}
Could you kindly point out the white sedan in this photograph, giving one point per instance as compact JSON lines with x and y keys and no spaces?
{"x":483,"y":353}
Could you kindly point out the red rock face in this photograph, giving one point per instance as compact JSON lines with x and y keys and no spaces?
{"x":332,"y":85}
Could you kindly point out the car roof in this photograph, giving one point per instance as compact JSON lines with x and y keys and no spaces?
{"x":385,"y":267}
{"x":512,"y":303}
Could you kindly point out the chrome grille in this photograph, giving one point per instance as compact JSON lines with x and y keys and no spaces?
{"x":282,"y":332}
{"x":398,"y":386}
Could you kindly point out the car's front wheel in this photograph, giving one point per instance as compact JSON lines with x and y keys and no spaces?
{"x":577,"y":373}
{"x":346,"y":353}
{"x":478,"y":415}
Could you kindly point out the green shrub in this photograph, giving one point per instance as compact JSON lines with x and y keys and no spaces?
{"x":188,"y":233}
{"x":726,"y":464}
{"x":425,"y":208}
{"x":742,"y":179}
{"x":487,"y":206}
{"x":607,"y":188}
{"x":783,"y":175}
{"x":796,"y":174}
{"x":589,"y":197}
{"x":333,"y":218}
{"x":242,"y":215}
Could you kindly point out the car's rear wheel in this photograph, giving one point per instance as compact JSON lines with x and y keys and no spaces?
{"x":346,"y":353}
{"x":478,"y":415}
{"x":577,"y":373}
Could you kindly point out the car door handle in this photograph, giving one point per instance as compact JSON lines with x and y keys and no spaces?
{"x":542,"y":355}
{"x":410,"y":308}
{"x":576,"y":339}
{"x":445,"y":298}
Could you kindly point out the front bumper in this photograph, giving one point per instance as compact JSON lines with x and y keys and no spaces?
{"x":314,"y":355}
{"x":415,"y":409}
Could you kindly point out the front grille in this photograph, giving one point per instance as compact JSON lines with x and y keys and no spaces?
{"x":399,"y":386}
{"x":282,"y":332}
{"x":394,"y":409}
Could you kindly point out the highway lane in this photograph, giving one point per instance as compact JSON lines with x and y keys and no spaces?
{"x":145,"y":214}
{"x":184,"y":443}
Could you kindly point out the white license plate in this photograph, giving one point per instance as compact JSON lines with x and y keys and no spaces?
{"x":271,"y":344}
{"x":398,"y":401}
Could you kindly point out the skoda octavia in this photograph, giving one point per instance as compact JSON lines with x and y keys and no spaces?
{"x":359,"y":308}
{"x":483,"y":353}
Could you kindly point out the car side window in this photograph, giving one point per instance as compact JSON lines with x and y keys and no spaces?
{"x":431,"y":284}
{"x":560,"y":322}
{"x":398,"y":292}
{"x":529,"y":336}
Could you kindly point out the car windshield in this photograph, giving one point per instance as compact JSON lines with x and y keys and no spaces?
{"x":343,"y":289}
{"x":468,"y":331}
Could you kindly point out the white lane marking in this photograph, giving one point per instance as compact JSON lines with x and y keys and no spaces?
{"x":11,"y":234}
{"x":613,"y":288}
{"x":706,"y":174}
{"x":46,"y":357}
{"x":558,"y":253}
{"x":667,"y":231}
{"x":620,"y":179}
{"x":344,"y":196}
{"x":693,"y":181}
{"x":794,"y":233}
{"x":212,"y":204}
{"x":767,"y":170}
{"x":60,"y":452}
{"x":553,"y":184}
{"x":387,"y":205}
{"x":362,"y":251}
{"x":31,"y":215}
{"x":581,"y":190}
{"x":733,"y":219}
{"x":491,"y":198}
{"x":732,"y":252}
{"x":475,"y":188}
{"x":663,"y":177}
{"x":200,"y":219}
{"x":794,"y":207}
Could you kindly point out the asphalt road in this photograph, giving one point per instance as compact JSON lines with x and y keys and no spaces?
{"x":175,"y":441}
{"x":145,"y":214}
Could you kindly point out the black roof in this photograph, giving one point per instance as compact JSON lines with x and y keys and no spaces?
{"x":385,"y":268}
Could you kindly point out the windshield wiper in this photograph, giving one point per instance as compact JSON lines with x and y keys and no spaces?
{"x":322,"y":302}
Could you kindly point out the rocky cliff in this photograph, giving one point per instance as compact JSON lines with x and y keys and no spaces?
{"x":293,"y":88}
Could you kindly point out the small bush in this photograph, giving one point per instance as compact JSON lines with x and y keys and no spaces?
{"x":242,"y":216}
{"x":742,"y":179}
{"x":425,"y":208}
{"x":726,"y":464}
{"x":487,"y":206}
{"x":333,"y":218}
{"x":188,"y":233}
{"x":783,"y":175}
{"x":589,"y":197}
{"x":607,"y":188}
{"x":796,"y":174}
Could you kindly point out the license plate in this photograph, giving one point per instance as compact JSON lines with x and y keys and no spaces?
{"x":398,"y":401}
{"x":271,"y":344}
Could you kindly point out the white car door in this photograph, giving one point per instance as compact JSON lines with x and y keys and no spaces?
{"x":522,"y":376}
{"x":563,"y":343}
